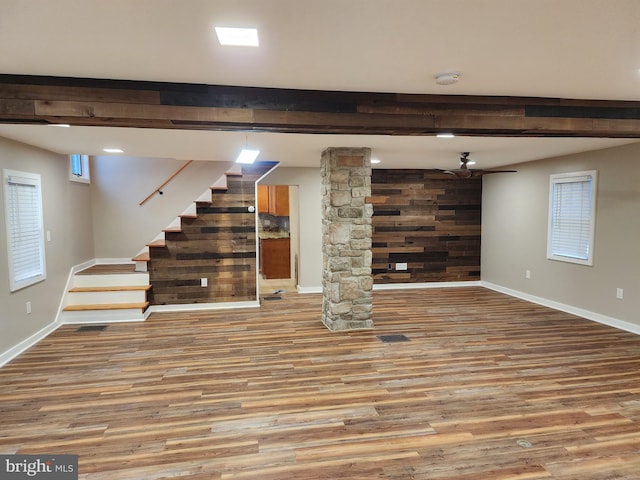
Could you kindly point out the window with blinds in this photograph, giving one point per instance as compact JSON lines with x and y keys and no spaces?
{"x":572,"y":217}
{"x":25,"y":233}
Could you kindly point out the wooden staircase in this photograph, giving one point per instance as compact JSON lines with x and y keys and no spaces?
{"x":208,"y":254}
{"x":213,"y":239}
{"x":107,"y":293}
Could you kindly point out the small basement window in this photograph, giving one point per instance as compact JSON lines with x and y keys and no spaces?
{"x":79,"y":168}
{"x":572,"y":217}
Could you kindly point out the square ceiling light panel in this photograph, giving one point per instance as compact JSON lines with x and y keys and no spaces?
{"x":234,"y":36}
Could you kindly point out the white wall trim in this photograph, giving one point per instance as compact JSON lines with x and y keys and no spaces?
{"x":23,"y":346}
{"x":194,"y":307}
{"x":402,"y":286}
{"x":112,"y":261}
{"x":408,"y":286}
{"x":304,"y":290}
{"x":596,"y":317}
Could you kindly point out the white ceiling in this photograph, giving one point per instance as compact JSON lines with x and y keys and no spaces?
{"x":587,"y":49}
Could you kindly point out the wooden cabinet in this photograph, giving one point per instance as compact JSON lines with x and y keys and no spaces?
{"x":275,"y":258}
{"x":273,"y":199}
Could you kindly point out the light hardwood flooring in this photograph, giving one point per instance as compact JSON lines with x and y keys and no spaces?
{"x":270,"y":394}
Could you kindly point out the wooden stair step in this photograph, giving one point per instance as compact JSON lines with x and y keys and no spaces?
{"x":157,"y":244}
{"x":106,"y":306}
{"x":172,"y":230}
{"x":115,"y":288}
{"x":188,"y":215}
{"x":108,"y":269}
{"x":143,"y":257}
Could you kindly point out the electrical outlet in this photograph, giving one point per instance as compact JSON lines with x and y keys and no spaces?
{"x":28,"y":306}
{"x":619,"y":293}
{"x":527,"y":274}
{"x":204,"y":282}
{"x":401,"y":266}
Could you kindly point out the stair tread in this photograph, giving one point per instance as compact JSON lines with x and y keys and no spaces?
{"x":143,"y":257}
{"x":112,"y":288}
{"x":108,"y":269}
{"x":172,"y":230}
{"x":106,"y":306}
{"x":157,"y":243}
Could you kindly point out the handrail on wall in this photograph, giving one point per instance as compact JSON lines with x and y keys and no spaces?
{"x":159,"y":189}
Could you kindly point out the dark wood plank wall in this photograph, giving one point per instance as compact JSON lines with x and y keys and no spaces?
{"x":26,"y":99}
{"x":428,"y":220}
{"x":219,"y":245}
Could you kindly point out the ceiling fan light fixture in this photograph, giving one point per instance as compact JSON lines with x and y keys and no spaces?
{"x":447,"y":78}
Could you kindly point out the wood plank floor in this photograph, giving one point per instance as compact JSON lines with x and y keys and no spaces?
{"x":270,"y":394}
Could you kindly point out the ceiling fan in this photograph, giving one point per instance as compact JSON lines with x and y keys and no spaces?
{"x":466,"y":172}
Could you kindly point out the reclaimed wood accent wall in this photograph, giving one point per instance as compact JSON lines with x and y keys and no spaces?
{"x":218,"y":244}
{"x":428,"y":220}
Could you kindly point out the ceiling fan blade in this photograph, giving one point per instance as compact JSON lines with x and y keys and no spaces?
{"x":497,"y":171}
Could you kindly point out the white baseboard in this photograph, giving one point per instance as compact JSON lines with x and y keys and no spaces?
{"x":402,"y":286}
{"x":23,"y":346}
{"x":596,"y":317}
{"x":194,"y":307}
{"x":408,"y":286}
{"x":112,"y":261}
{"x":308,"y":289}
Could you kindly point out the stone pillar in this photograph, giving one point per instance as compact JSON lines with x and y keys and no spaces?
{"x":346,"y":239}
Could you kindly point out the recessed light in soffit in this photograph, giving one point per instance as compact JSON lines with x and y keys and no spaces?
{"x":447,"y":78}
{"x":237,"y":36}
{"x":247,"y":156}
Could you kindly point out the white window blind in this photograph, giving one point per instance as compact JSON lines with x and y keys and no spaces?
{"x":25,"y":235}
{"x":572,"y":217}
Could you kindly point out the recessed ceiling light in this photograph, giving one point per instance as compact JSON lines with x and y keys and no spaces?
{"x":241,"y":37}
{"x":447,"y":78}
{"x":247,"y":156}
{"x":445,"y":135}
{"x":375,"y":160}
{"x":64,"y":125}
{"x":113,"y":150}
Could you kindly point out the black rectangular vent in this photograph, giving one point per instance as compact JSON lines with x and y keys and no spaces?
{"x":91,"y":328}
{"x":393,"y":338}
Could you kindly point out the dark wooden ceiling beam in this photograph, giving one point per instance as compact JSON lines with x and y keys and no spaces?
{"x":100,"y":102}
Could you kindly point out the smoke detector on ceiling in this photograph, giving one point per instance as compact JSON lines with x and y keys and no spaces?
{"x":447,"y":78}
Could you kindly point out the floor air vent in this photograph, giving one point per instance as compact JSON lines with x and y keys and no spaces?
{"x":91,"y":328}
{"x":392,"y":338}
{"x":272,"y":297}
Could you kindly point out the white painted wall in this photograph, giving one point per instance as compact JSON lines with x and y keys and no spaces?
{"x":67,"y":216}
{"x":514,"y":234}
